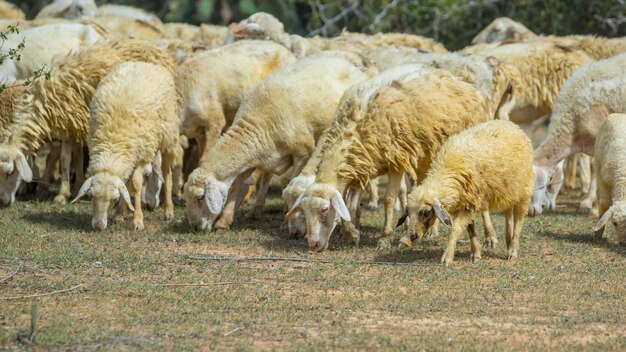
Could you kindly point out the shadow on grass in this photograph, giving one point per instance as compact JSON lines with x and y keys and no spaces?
{"x":63,"y":221}
{"x":587,"y":238}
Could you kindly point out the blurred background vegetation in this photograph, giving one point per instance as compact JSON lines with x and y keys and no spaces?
{"x":452,"y":22}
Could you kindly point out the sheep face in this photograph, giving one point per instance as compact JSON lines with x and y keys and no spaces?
{"x":423,"y":212}
{"x":204,"y":204}
{"x":261,"y":26}
{"x":540,"y":197}
{"x":14,"y":169}
{"x":296,"y":222}
{"x":105,"y":191}
{"x":617,"y":215}
{"x":153,"y":182}
{"x":322,"y":206}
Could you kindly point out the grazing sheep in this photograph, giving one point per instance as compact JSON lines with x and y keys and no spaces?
{"x":210,"y":105}
{"x":152,"y":183}
{"x":10,"y":11}
{"x":134,"y":115}
{"x":397,"y":135}
{"x":593,"y":92}
{"x":264,"y":26}
{"x":351,"y":109}
{"x":501,"y":29}
{"x":9,"y":98}
{"x":58,"y":109}
{"x":69,"y":9}
{"x":487,"y":167}
{"x":275,"y":128}
{"x":610,"y":169}
{"x":42,"y":44}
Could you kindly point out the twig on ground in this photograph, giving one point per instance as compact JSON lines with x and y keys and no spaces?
{"x":232,"y":331}
{"x":10,"y":276}
{"x":41,"y":294}
{"x":303,"y":260}
{"x":209,"y":284}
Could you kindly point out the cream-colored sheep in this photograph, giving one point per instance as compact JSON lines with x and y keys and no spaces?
{"x":10,"y":11}
{"x":263,"y":26}
{"x":42,"y":44}
{"x":130,"y":27}
{"x":487,"y":167}
{"x":134,"y":115}
{"x":598,"y":48}
{"x":382,"y":40}
{"x":501,"y":29}
{"x":593,"y":92}
{"x":182,"y":31}
{"x":351,"y":109}
{"x":610,"y":169}
{"x":58,"y":109}
{"x":397,"y":135}
{"x":130,"y":12}
{"x":210,"y":105}
{"x":275,"y":128}
{"x":213,"y":36}
{"x":8,"y":103}
{"x":181,"y":50}
{"x":69,"y":9}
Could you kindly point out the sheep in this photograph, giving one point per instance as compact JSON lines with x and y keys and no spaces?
{"x":488,"y":166}
{"x":10,"y":11}
{"x":501,"y":29}
{"x":610,"y":168}
{"x":57,"y":109}
{"x":42,"y":44}
{"x":69,"y":9}
{"x":182,"y":31}
{"x":275,"y":128}
{"x":133,"y":116}
{"x":8,"y":102}
{"x":351,"y":109}
{"x":152,"y":183}
{"x":133,"y":13}
{"x":212,"y":35}
{"x":181,"y":50}
{"x":598,"y":48}
{"x":210,"y":105}
{"x":130,"y":27}
{"x":264,"y":26}
{"x":396,"y":135}
{"x":592,"y":92}
{"x":396,"y":40}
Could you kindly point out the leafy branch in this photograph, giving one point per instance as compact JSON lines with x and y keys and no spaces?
{"x":16,"y":55}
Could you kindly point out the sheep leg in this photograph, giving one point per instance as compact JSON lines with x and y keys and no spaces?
{"x":51,"y":159}
{"x":585,"y":172}
{"x":402,"y":196}
{"x":393,"y":189}
{"x":348,"y":228}
{"x":261,"y":194}
{"x":228,"y":214}
{"x":137,"y":183}
{"x":570,"y":178}
{"x":519,"y":213}
{"x":122,"y":211}
{"x":66,"y":161}
{"x":509,"y":216}
{"x":77,"y":161}
{"x":460,"y":224}
{"x":166,"y":170}
{"x":256,"y":175}
{"x":373,"y":188}
{"x":491,"y":239}
{"x":587,"y":204}
{"x":474,"y":243}
{"x":604,"y":203}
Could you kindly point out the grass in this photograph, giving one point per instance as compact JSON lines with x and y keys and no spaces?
{"x":565,"y":292}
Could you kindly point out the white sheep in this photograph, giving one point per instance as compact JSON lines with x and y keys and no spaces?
{"x":209,"y":105}
{"x":486,"y":167}
{"x":397,"y":135}
{"x":42,"y":44}
{"x":501,"y":29}
{"x":274,"y":130}
{"x":134,"y":115}
{"x":593,"y":92}
{"x":130,"y":12}
{"x":69,"y":9}
{"x":10,"y":11}
{"x":610,"y":170}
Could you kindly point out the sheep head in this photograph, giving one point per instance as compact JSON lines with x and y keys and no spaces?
{"x":105,"y":191}
{"x":205,"y":201}
{"x":291,"y":195}
{"x":322,"y":206}
{"x":260,"y":25}
{"x":153,"y":182}
{"x":422,"y":212}
{"x":617,"y":215}
{"x":540,"y":199}
{"x":14,"y":169}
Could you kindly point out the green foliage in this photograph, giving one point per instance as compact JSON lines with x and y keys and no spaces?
{"x":453,"y":22}
{"x":16,"y":54}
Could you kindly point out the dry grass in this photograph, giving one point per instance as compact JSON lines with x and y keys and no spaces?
{"x":566,"y":292}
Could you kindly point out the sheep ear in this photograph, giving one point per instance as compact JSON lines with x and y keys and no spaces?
{"x":403,"y":217}
{"x":21,"y":164}
{"x":84,"y":189}
{"x":244,"y":30}
{"x":124,"y":193}
{"x":296,"y":206}
{"x":442,"y":214}
{"x":340,"y":206}
{"x":213,"y":198}
{"x":604,"y":219}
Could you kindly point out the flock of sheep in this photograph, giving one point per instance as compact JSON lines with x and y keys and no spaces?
{"x":210,"y":111}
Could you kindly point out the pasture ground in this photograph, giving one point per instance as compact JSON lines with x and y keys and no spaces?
{"x":566,"y":292}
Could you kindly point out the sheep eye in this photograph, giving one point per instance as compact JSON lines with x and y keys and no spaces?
{"x":10,"y":172}
{"x":425,"y":213}
{"x":324,"y":210}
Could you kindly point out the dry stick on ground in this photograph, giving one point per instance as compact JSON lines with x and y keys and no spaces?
{"x":41,"y":294}
{"x":10,"y":276}
{"x":209,"y":284}
{"x":304,"y":260}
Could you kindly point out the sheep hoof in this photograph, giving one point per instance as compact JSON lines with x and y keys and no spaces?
{"x":432,"y":232}
{"x":255,"y":213}
{"x":475,"y":257}
{"x":512,"y":254}
{"x":221,"y":231}
{"x":372,"y":206}
{"x":61,"y":199}
{"x":405,"y":242}
{"x":138,"y":225}
{"x":491,"y":241}
{"x":383,"y":243}
{"x":598,"y":235}
{"x":585,"y":205}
